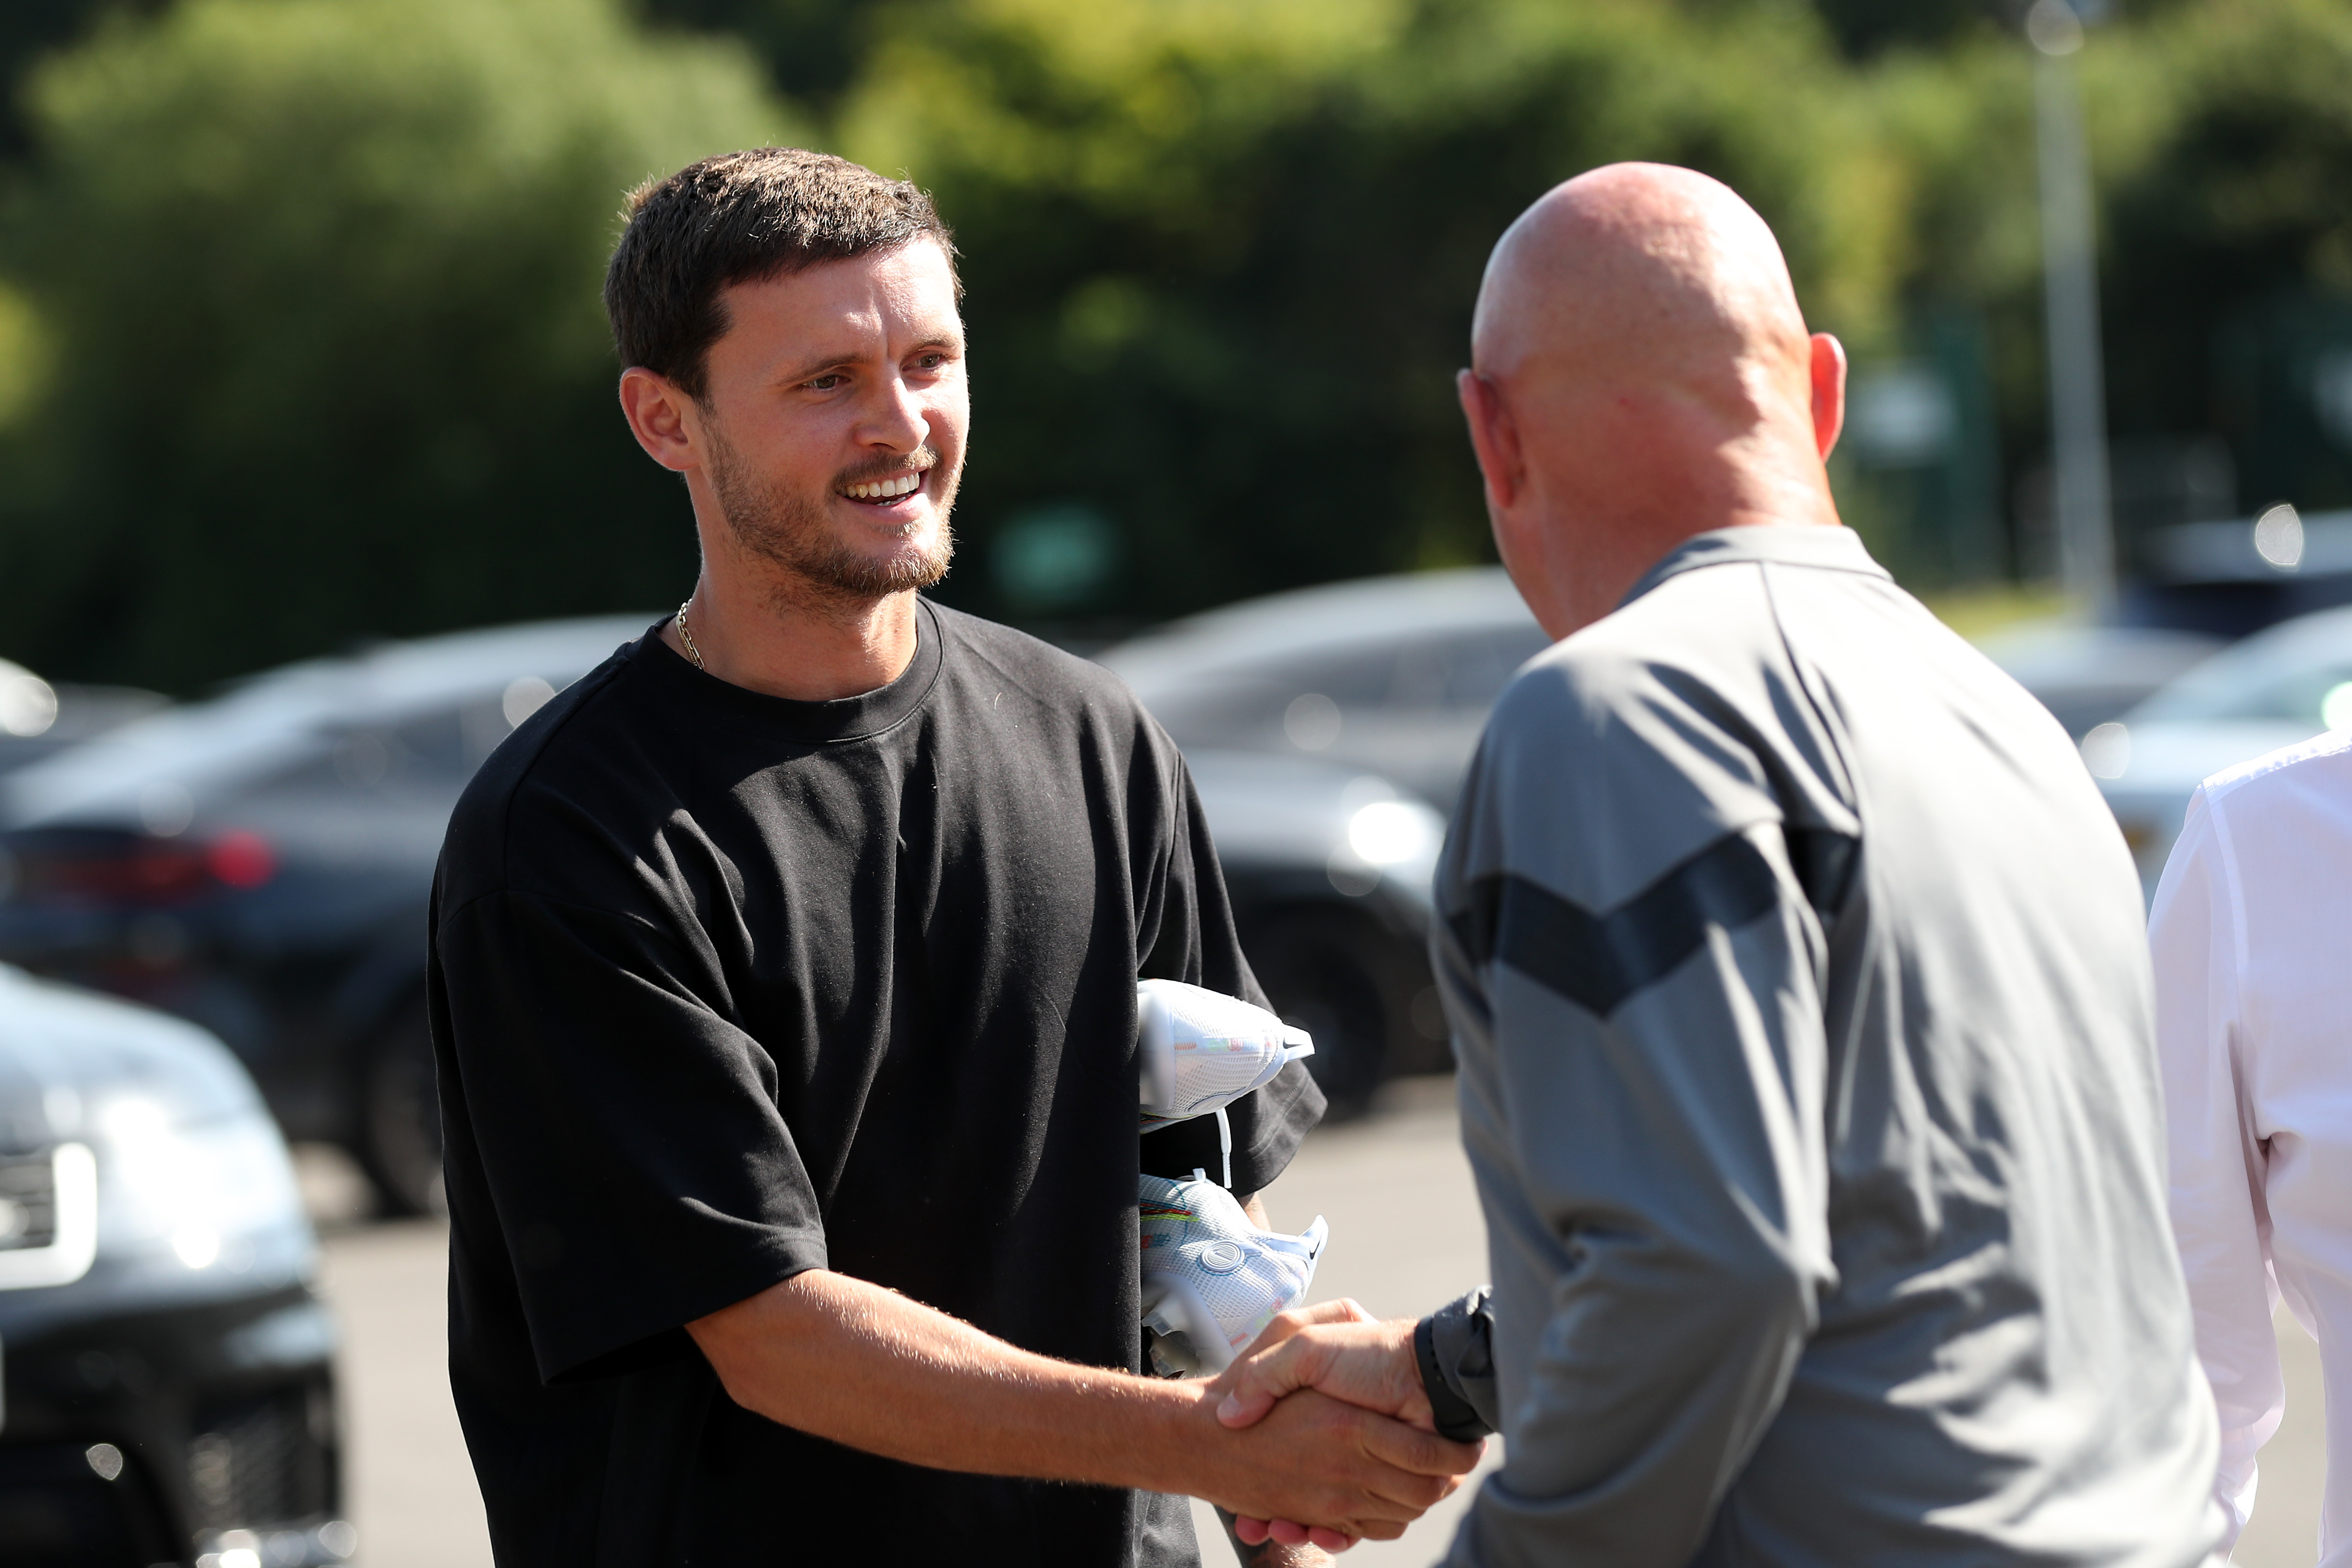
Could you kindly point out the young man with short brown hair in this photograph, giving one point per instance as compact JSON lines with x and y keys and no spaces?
{"x":784,"y":982}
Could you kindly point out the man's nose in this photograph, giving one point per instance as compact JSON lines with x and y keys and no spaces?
{"x":897,"y":419}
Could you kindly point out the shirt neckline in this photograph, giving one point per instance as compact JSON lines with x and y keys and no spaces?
{"x":835,"y":722}
{"x":1821,"y":546}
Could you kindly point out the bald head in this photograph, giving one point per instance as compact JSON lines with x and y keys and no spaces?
{"x":1638,"y":269}
{"x":1638,"y":338}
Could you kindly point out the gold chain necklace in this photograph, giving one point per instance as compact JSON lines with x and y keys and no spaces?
{"x":686,"y":636}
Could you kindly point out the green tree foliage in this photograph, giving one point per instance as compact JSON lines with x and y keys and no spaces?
{"x":813,"y":49}
{"x":1221,"y":256}
{"x":2229,"y":236}
{"x":318,"y":285}
{"x":29,"y":29}
{"x":1865,"y":28}
{"x":299,"y":340}
{"x":2222,"y":145}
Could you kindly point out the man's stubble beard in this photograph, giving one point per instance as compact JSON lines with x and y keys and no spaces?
{"x":791,"y":532}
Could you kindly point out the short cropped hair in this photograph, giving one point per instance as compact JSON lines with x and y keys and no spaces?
{"x":744,"y":217}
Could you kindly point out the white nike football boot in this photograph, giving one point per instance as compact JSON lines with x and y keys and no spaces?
{"x":1211,"y":1280}
{"x":1200,"y":1050}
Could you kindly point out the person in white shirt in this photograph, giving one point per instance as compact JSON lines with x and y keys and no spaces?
{"x":2253,"y":938}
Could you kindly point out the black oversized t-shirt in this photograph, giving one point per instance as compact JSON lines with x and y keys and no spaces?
{"x":725,"y":987}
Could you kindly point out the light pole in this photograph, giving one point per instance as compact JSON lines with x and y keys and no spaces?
{"x":2069,"y":299}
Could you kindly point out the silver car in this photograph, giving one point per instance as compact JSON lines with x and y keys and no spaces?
{"x":2086,"y":674}
{"x":1392,"y":676}
{"x":170,"y":1376}
{"x":2278,"y":687}
{"x":37,"y":719}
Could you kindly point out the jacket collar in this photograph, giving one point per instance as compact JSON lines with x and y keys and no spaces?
{"x":1816,"y":546}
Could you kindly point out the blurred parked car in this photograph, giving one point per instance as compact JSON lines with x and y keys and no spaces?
{"x":2086,"y":674}
{"x":260,"y":864}
{"x":1329,"y":870}
{"x":2280,"y":686}
{"x":1318,"y":724}
{"x":2232,"y":578}
{"x":37,"y":718}
{"x":1390,"y":675}
{"x":169,"y":1383}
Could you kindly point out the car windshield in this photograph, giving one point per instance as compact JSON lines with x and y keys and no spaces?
{"x":2300,"y":672}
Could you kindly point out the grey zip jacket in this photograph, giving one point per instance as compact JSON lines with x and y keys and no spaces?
{"x":1800,"y":990}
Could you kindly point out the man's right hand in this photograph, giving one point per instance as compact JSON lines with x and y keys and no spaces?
{"x":1355,"y":1472}
{"x":1340,"y":1350}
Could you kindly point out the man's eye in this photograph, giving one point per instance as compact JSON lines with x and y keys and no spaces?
{"x":931,"y":362}
{"x":825,"y":383}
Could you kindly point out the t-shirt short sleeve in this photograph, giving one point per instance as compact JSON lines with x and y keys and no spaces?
{"x":1192,"y":940}
{"x":629,"y":1136}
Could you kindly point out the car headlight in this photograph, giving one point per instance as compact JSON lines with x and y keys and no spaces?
{"x":1391,"y":832}
{"x":215,"y":1193}
{"x":1386,"y":840}
{"x":49,"y":1216}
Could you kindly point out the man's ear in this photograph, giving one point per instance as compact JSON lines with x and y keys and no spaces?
{"x":662,"y":417}
{"x":1493,"y":435}
{"x":1829,"y":392}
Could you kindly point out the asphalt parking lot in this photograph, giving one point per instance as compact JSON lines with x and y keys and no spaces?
{"x":1405,"y":1235}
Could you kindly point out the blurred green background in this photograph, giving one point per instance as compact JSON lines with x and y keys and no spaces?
{"x":300,"y":342}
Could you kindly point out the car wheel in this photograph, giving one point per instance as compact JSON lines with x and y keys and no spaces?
{"x":400,"y":1120}
{"x":1323,"y":972}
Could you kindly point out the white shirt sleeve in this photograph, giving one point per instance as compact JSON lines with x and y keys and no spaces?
{"x":2219,"y":1218}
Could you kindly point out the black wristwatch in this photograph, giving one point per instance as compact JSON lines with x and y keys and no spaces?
{"x":1455,"y":1417}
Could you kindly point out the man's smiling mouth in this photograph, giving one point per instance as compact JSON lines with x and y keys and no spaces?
{"x":882,"y":492}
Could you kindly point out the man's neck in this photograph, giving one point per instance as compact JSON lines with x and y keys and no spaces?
{"x":1577,"y":572}
{"x":812,"y":648}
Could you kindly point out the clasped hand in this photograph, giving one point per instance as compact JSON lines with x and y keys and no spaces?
{"x":1339,"y":1351}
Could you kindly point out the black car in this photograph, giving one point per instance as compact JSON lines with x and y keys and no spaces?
{"x":1330,"y":870}
{"x":168,"y":1394}
{"x":260,"y":864}
{"x":1340,"y":695}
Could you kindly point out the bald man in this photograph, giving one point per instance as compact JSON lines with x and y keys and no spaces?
{"x":1797,"y":981}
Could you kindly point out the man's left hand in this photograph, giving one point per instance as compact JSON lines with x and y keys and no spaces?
{"x":1335,"y":1347}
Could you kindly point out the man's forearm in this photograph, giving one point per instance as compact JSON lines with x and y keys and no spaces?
{"x":850,"y":1361}
{"x":845,"y":1359}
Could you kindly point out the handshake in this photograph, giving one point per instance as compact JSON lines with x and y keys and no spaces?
{"x":1341,"y":1440}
